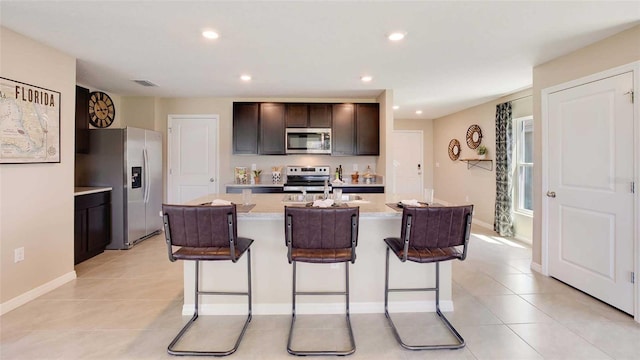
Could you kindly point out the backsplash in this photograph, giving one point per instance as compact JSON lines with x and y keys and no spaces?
{"x":265,"y":163}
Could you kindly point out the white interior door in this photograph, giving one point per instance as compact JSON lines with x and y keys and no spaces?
{"x":193,"y":157}
{"x":408,"y":163}
{"x":591,"y":165}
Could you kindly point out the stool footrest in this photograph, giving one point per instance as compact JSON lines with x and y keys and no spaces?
{"x":320,"y":293}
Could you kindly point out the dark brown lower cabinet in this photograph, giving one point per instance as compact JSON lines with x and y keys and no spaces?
{"x":92,"y":225}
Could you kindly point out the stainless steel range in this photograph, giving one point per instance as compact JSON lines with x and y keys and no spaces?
{"x":308,"y":178}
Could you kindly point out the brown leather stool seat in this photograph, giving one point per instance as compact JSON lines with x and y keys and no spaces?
{"x":323,"y":236}
{"x":429,"y":235}
{"x":206,"y":233}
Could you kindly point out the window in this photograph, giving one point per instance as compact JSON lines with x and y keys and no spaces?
{"x":523,"y":135}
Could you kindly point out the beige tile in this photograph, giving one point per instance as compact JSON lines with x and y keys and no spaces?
{"x":563,"y":308}
{"x":532,"y":284}
{"x":469,"y":310}
{"x":555,"y":341}
{"x":620,"y":340}
{"x":512,"y":309}
{"x":494,"y":342}
{"x":481,"y":284}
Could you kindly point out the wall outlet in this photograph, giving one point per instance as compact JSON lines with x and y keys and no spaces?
{"x":335,"y":266}
{"x":437,"y":164}
{"x":253,"y":167}
{"x":355,"y":167}
{"x":18,"y":254}
{"x":466,"y":198}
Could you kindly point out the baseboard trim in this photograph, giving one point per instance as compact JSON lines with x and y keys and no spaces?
{"x":482,"y":224}
{"x":34,"y":293}
{"x":536,"y":267}
{"x":319,"y":308}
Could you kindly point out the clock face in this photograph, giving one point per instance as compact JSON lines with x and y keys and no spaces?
{"x":102,"y":111}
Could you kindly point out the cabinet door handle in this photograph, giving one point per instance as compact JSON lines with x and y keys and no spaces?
{"x":551,"y":194}
{"x":212,"y":180}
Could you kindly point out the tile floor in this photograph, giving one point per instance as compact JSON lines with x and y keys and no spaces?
{"x":127,"y":305}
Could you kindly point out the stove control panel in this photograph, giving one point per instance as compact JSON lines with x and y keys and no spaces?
{"x":308,"y":170}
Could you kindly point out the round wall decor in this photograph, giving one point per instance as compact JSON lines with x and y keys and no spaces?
{"x":454,"y":149}
{"x":474,"y":136}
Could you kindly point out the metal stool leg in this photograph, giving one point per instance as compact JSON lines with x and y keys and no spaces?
{"x":197,"y":293}
{"x":348,"y":318}
{"x":460,"y":341}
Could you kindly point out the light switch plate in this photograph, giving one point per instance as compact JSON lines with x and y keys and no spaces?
{"x":18,"y":254}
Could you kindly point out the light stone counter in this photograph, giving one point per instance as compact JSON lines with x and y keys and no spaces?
{"x":271,"y":206}
{"x":271,"y":272}
{"x":86,"y":190}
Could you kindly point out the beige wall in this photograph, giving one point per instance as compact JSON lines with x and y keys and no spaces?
{"x":620,"y":49}
{"x":453,"y":182}
{"x":426,"y":126}
{"x":36,"y":200}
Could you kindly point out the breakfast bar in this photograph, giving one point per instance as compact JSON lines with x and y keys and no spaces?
{"x":272,"y":273}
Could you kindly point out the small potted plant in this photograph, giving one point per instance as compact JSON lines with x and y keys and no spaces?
{"x":482,"y":152}
{"x":256,"y":176}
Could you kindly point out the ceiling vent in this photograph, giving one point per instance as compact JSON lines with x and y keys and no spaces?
{"x":146,"y":83}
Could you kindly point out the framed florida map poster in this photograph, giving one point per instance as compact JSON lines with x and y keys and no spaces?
{"x":29,"y":123}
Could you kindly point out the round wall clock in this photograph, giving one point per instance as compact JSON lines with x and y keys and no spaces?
{"x":102,"y":111}
{"x":474,"y":136}
{"x":454,"y":149}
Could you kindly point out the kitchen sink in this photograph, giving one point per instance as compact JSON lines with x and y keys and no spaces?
{"x":300,"y":198}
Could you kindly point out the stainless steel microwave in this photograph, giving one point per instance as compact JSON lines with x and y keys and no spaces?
{"x":308,"y":140}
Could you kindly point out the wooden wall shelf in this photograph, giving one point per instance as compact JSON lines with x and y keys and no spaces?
{"x":479,"y":163}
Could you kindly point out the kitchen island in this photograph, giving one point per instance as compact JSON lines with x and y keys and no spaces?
{"x":272,"y":273}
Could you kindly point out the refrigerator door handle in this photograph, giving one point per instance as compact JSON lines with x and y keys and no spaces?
{"x":145,"y":159}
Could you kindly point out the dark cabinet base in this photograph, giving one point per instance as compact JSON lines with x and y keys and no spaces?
{"x":92,"y":225}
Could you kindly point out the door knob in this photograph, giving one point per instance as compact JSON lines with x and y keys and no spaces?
{"x":551,"y":194}
{"x":211,"y":180}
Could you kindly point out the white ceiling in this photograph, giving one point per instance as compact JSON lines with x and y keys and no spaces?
{"x":455,"y":54}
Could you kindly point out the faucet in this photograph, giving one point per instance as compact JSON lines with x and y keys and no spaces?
{"x":326,"y":189}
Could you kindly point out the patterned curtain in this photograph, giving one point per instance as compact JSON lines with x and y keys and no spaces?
{"x":503,"y":220}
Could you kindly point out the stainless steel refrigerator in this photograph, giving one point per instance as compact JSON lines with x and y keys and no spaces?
{"x":130,"y":161}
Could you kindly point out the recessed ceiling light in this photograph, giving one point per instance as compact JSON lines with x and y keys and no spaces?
{"x":245,"y":77}
{"x":418,"y":112}
{"x":366,"y":78}
{"x":396,"y":107}
{"x":396,"y":36}
{"x":210,"y":34}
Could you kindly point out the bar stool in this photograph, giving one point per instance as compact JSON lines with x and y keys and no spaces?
{"x":321,"y":235}
{"x":429,"y":235}
{"x":206,"y":233}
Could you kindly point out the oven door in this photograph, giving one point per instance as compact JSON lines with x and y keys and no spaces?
{"x":308,"y":141}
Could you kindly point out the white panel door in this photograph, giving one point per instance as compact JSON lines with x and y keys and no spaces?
{"x":192,"y":157}
{"x":591,"y":217}
{"x":408,"y":163}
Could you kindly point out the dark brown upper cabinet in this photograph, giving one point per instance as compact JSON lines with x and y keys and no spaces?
{"x":299,"y":115}
{"x":319,"y":115}
{"x":272,"y":129}
{"x":82,"y":120}
{"x":367,"y":129}
{"x":245,"y":127}
{"x":343,"y":130}
{"x":356,"y":129}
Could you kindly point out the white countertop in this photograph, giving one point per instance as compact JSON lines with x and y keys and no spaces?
{"x":85,"y":190}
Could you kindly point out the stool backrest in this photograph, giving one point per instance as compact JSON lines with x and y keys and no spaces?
{"x":200,"y":226}
{"x":321,"y":228}
{"x":436,"y":227}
